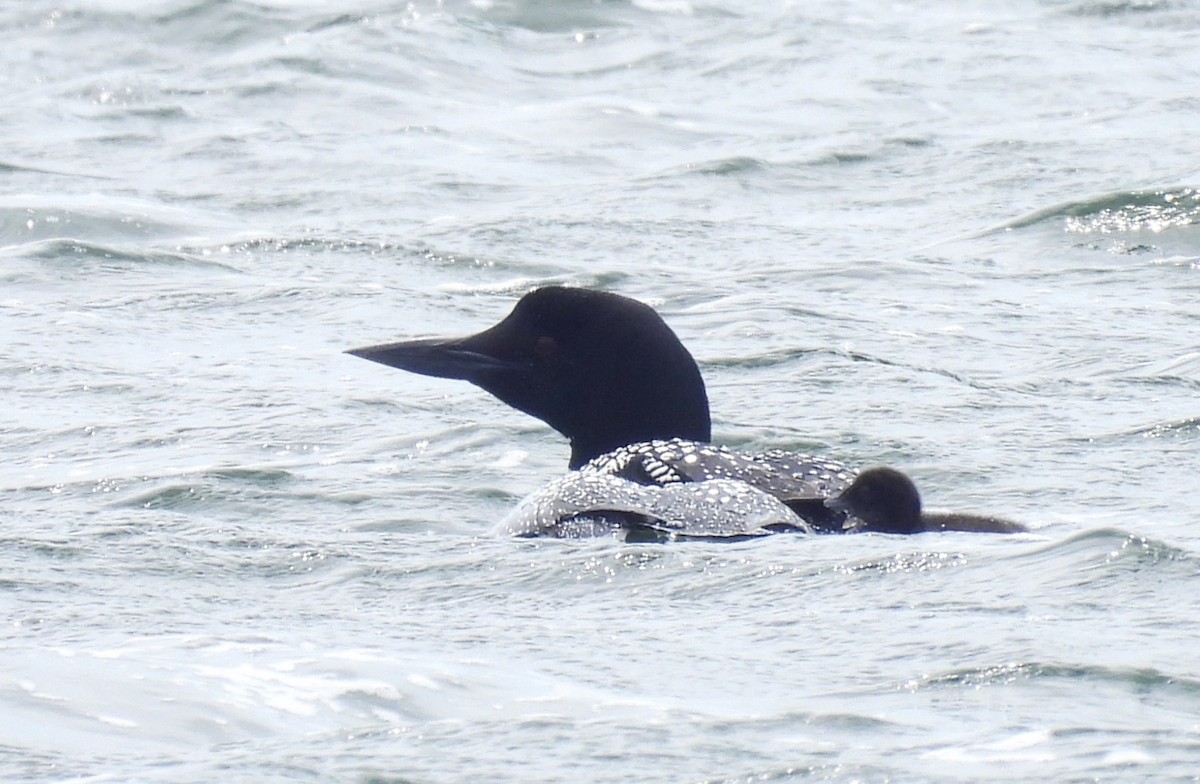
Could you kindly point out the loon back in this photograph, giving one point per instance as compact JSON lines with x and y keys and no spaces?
{"x":801,"y":482}
{"x":602,"y":369}
{"x":680,"y":489}
{"x":589,"y":503}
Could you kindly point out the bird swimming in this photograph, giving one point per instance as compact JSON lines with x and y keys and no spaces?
{"x":609,"y":374}
{"x":596,"y":501}
{"x":886,"y":501}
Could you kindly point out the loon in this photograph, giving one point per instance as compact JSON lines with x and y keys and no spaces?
{"x":609,"y":374}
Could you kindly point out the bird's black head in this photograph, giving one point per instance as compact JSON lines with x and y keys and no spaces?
{"x":883,"y":500}
{"x":602,"y":369}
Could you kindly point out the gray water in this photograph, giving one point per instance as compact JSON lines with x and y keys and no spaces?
{"x":961,"y":239}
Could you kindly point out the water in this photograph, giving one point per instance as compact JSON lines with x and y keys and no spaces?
{"x":962,"y":240}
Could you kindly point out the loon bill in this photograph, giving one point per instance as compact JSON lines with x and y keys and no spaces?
{"x":608,"y":373}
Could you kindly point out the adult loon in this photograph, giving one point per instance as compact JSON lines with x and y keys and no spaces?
{"x":609,"y":374}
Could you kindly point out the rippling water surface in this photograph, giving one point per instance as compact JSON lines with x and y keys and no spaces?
{"x":961,"y":239}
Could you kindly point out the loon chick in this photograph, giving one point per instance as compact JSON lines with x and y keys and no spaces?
{"x":886,"y":501}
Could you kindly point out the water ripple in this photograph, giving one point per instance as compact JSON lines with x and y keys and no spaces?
{"x":1121,"y":212}
{"x":1139,"y":679}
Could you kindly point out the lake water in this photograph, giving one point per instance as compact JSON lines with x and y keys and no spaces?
{"x":960,"y":239}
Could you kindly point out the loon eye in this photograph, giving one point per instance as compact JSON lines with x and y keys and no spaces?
{"x":545,"y":347}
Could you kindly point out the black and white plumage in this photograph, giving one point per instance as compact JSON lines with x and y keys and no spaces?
{"x":584,"y":503}
{"x":609,"y":374}
{"x":681,"y":489}
{"x":785,"y":475}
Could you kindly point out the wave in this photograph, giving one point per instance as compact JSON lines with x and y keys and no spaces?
{"x":84,"y":253}
{"x":1142,"y":679}
{"x":28,"y":218}
{"x":8,"y":167}
{"x":1106,"y":9}
{"x":1119,"y":212}
{"x":1178,"y":429}
{"x":1088,"y":552}
{"x":206,"y":489}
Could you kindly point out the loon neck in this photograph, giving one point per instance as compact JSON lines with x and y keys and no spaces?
{"x":593,"y":444}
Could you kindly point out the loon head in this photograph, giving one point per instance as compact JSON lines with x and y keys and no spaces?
{"x":602,"y":369}
{"x":883,"y":500}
